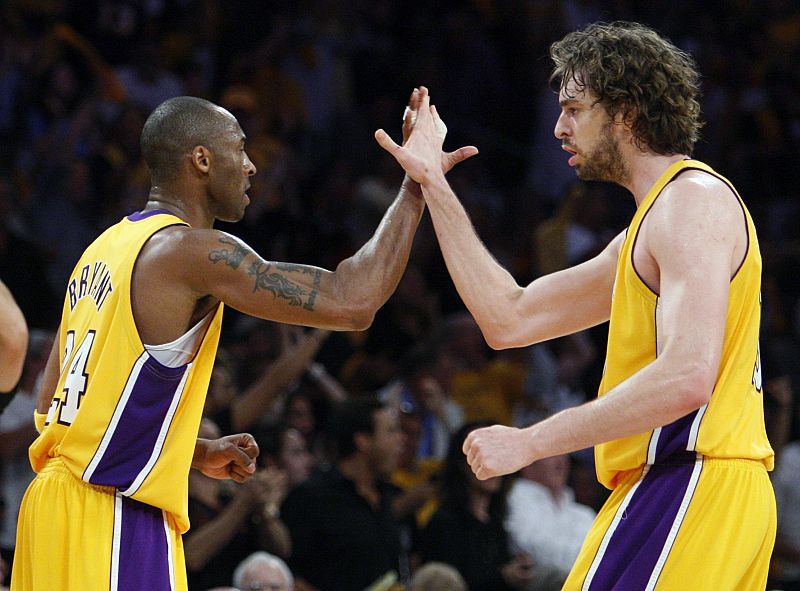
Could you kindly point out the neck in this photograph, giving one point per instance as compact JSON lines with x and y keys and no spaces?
{"x":645,"y":169}
{"x":188,"y":210}
{"x":356,"y":469}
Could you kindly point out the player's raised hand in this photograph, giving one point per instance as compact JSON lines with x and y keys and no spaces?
{"x":421,"y":154}
{"x":230,"y":457}
{"x":497,"y":450}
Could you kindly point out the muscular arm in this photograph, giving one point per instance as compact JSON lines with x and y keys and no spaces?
{"x":212,"y":263}
{"x":13,"y":340}
{"x":694,"y":238}
{"x":509,"y":315}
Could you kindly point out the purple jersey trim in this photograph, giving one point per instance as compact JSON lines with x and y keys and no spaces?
{"x":133,"y":434}
{"x":674,"y":437}
{"x":144,"y":552}
{"x":138,"y":216}
{"x":640,"y":537}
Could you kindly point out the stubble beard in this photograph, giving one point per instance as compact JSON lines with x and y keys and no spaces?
{"x":605,"y":162}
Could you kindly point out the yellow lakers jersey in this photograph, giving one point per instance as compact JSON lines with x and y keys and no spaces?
{"x":731,"y":425}
{"x":119,"y":417}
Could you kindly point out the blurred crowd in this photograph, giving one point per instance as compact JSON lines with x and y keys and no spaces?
{"x":362,"y":484}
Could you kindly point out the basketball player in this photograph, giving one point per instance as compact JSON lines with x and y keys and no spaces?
{"x":123,"y":391}
{"x":13,"y":341}
{"x":678,"y":426}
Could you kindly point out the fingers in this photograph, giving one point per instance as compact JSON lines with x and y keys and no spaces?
{"x":450,"y":159}
{"x":413,"y":102}
{"x":386,"y":142}
{"x":243,"y":457}
{"x":441,"y":128}
{"x":238,"y":474}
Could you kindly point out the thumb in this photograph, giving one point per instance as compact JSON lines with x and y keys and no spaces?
{"x":385,"y":142}
{"x":453,"y":158}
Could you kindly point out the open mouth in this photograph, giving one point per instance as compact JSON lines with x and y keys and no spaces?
{"x":573,"y":153}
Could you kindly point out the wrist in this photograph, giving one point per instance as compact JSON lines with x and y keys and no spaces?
{"x":411,"y":186}
{"x":200,"y":448}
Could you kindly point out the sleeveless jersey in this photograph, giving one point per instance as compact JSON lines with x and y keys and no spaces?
{"x":731,"y":424}
{"x":119,"y":417}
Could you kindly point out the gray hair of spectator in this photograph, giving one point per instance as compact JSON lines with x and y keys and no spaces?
{"x":437,"y":576}
{"x":175,"y":128}
{"x":260,"y":557}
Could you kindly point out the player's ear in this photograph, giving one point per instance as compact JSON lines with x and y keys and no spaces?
{"x":201,"y":159}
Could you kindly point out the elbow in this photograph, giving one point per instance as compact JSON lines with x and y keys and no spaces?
{"x":696,"y":387}
{"x":357,"y":317}
{"x":501,"y":336}
{"x":499,"y":340}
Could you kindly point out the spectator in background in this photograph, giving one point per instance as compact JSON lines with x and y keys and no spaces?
{"x":284,"y":448}
{"x":420,"y":390}
{"x":437,"y":576}
{"x":468,"y":532}
{"x":229,"y":521}
{"x":263,"y":571}
{"x":344,"y":533}
{"x":486,"y":386}
{"x":545,"y":522}
{"x":146,"y":81}
{"x":416,"y":477}
{"x":235,"y":412}
{"x":32,"y":294}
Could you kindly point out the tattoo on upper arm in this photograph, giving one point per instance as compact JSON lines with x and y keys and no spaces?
{"x":232,"y":256}
{"x":280,"y":286}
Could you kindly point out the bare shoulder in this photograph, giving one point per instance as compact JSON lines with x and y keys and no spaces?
{"x":171,"y":282}
{"x":695,"y":213}
{"x":179,"y":249}
{"x":699,"y":195}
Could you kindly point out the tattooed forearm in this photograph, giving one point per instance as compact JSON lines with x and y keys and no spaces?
{"x":309,"y":305}
{"x":275,"y":283}
{"x":232,"y":256}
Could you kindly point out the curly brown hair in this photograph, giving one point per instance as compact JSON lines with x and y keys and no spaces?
{"x":636,"y":73}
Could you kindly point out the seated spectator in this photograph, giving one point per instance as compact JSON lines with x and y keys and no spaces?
{"x":284,"y":447}
{"x":545,"y":522}
{"x":344,"y":534}
{"x":467,"y":531}
{"x":262,"y":570}
{"x":487,"y":386}
{"x":230,"y":521}
{"x":420,"y":389}
{"x":416,"y":477}
{"x":437,"y":576}
{"x":235,"y":412}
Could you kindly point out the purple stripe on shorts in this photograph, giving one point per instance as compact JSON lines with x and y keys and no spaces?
{"x":143,"y":215}
{"x":641,"y":534}
{"x":137,"y":430}
{"x":143,"y":549}
{"x":674,"y":437}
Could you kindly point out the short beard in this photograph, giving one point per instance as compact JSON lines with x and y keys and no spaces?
{"x":605,"y":162}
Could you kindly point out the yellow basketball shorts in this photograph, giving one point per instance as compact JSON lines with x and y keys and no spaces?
{"x":700,"y":524}
{"x":73,"y":536}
